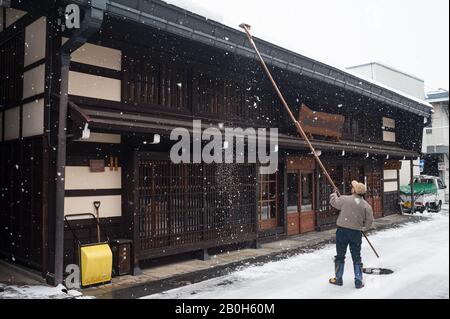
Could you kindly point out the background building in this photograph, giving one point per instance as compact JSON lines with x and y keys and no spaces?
{"x":435,"y":139}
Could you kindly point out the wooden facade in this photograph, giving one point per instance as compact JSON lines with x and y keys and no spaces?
{"x":131,"y":82}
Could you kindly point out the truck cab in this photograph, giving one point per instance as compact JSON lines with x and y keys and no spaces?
{"x":429,"y":194}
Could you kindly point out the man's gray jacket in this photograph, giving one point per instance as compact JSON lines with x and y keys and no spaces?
{"x":355,"y":213}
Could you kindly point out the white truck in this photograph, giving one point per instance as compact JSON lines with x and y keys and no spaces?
{"x":429,"y":194}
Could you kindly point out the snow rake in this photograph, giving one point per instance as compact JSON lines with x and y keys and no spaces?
{"x":246,"y":28}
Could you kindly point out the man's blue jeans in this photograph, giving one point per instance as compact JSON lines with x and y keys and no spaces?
{"x":348,"y":237}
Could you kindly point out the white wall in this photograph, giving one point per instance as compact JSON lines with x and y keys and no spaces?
{"x":97,"y":55}
{"x":399,"y":81}
{"x":395,"y":79}
{"x":405,"y":175}
{"x":34,"y":81}
{"x":80,"y":177}
{"x":94,"y":86}
{"x":102,"y":138}
{"x":111,"y":206}
{"x":12,"y":124}
{"x":12,"y":15}
{"x":35,"y":41}
{"x":33,"y":118}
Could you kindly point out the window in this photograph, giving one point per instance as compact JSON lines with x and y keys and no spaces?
{"x":307,"y":192}
{"x":268,"y":199}
{"x":441,"y":184}
{"x":293,"y":184}
{"x":388,"y":128}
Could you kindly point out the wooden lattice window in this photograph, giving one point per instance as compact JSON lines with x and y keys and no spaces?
{"x":268,"y":201}
{"x":156,"y":83}
{"x":187,"y":204}
{"x":328,"y":215}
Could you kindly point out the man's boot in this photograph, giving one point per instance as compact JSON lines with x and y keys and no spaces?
{"x":358,"y":275}
{"x":339,"y":271}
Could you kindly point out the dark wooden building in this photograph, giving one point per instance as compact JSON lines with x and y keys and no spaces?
{"x":152,"y":67}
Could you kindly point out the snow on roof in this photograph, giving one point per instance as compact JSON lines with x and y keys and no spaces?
{"x":440,"y":95}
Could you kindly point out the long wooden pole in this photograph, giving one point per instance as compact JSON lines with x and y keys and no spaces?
{"x":302,"y":133}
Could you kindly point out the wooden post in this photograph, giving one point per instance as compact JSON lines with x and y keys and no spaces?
{"x":134,"y":209}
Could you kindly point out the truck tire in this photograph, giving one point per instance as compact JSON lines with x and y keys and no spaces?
{"x":438,"y":208}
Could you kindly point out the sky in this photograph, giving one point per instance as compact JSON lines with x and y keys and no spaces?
{"x":410,"y":35}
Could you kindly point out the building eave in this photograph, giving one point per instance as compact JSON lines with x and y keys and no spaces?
{"x":177,"y":21}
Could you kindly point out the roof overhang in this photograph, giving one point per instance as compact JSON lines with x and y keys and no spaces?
{"x":132,"y":123}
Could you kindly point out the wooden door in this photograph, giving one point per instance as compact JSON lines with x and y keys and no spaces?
{"x":301,"y":215}
{"x":301,"y":202}
{"x":293,"y":206}
{"x":374,"y":194}
{"x":307,"y":202}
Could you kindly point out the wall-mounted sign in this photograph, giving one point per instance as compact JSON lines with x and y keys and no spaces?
{"x":97,"y":166}
{"x":442,"y":167}
{"x":393,"y":165}
{"x":422,"y":166}
{"x":321,"y":124}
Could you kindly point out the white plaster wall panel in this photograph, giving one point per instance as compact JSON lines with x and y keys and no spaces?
{"x":94,"y":86}
{"x":103,"y":138}
{"x":12,"y":15}
{"x":35,"y":41}
{"x":390,"y":187}
{"x":98,"y":55}
{"x":80,"y":178}
{"x":12,"y":124}
{"x":34,"y":81}
{"x":389,"y":136}
{"x":111,"y":206}
{"x":390,"y":174}
{"x":388,"y":122}
{"x":33,"y":118}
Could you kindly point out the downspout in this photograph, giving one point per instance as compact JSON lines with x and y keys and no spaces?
{"x":92,"y":22}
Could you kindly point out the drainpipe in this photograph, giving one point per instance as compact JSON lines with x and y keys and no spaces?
{"x":91,"y":24}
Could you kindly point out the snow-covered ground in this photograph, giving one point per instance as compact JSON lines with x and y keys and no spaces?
{"x":38,"y":292}
{"x":417,"y":252}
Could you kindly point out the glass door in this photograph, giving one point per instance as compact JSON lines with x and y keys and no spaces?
{"x":293,"y":203}
{"x":307,"y":191}
{"x":307,"y":204}
{"x":268,"y":201}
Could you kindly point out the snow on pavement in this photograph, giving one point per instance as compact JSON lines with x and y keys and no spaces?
{"x":417,"y":252}
{"x":38,"y":292}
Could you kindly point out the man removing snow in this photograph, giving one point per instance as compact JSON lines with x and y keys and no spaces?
{"x":355,"y":217}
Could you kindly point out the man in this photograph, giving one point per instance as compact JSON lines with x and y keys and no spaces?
{"x":355,"y":217}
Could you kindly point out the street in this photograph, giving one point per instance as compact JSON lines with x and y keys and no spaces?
{"x":418,"y":253}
